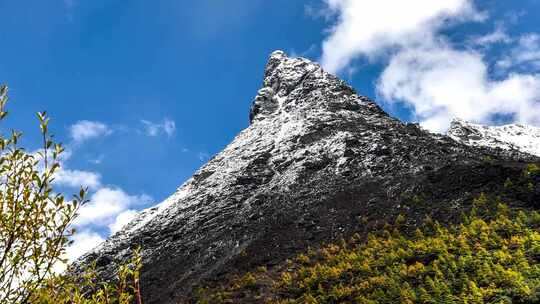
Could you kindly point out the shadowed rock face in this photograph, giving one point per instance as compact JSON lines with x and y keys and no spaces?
{"x":315,"y":157}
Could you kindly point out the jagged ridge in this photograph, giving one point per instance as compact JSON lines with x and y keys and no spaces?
{"x":509,"y":137}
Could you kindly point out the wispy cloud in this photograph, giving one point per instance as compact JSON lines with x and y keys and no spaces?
{"x":499,"y":35}
{"x":85,"y":130}
{"x":525,"y":54}
{"x":203,"y":156}
{"x":97,"y":160}
{"x":309,"y":51}
{"x":166,"y":126}
{"x":317,"y":10}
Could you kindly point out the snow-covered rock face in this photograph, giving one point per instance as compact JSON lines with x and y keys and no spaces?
{"x":315,"y":156}
{"x":509,"y":137}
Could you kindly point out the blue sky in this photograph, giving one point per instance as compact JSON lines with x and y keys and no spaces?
{"x":143,"y":92}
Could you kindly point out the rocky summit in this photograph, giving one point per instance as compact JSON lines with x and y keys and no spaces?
{"x":315,"y":159}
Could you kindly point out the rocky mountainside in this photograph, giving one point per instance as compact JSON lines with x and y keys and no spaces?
{"x":315,"y":159}
{"x":509,"y":137}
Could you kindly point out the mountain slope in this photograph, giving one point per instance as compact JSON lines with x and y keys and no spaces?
{"x":490,"y":256}
{"x":315,"y":158}
{"x":509,"y":137}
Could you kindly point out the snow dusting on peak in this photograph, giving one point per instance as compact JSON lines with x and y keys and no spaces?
{"x":314,"y":157}
{"x":524,"y":138}
{"x":282,"y":75}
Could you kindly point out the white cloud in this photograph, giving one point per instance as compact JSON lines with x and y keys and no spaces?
{"x":166,"y":126}
{"x":427,"y":73}
{"x":83,"y":242}
{"x":499,"y":35}
{"x":367,"y":27}
{"x":84,"y":130}
{"x":121,"y":220}
{"x":106,"y":203}
{"x":77,"y":178}
{"x":527,"y":53}
{"x":110,"y":208}
{"x":68,"y":177}
{"x":441,"y":83}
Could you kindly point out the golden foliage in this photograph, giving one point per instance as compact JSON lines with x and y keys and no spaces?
{"x":492,"y":256}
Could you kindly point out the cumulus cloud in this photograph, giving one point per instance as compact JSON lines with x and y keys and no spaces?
{"x":84,"y":130}
{"x":77,"y":178}
{"x":121,"y":220}
{"x":107,"y":203}
{"x":441,"y":83}
{"x":423,"y":70}
{"x":83,"y":242}
{"x":108,"y":208}
{"x":166,"y":126}
{"x":369,"y":27}
{"x":64,"y":176}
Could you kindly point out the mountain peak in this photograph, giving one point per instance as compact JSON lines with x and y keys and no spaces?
{"x":288,"y":79}
{"x":281,"y":76}
{"x":315,"y":157}
{"x":278,"y":55}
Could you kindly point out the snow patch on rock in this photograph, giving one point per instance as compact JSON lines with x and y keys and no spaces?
{"x":520,"y":137}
